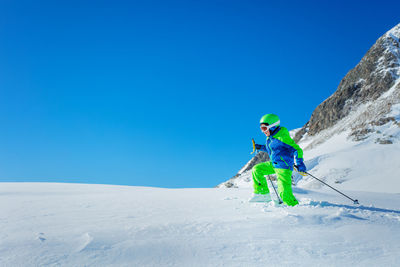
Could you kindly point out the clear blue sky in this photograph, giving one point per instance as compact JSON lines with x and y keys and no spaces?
{"x":166,"y":93}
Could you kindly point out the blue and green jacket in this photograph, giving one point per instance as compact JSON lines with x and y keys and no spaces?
{"x":282,"y":149}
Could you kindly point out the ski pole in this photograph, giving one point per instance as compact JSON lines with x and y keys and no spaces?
{"x":279,"y":199}
{"x":254,"y":146}
{"x":355,"y":201}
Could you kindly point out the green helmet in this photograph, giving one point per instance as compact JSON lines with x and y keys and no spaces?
{"x":270,"y":119}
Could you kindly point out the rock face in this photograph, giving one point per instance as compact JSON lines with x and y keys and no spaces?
{"x":373,"y":76}
{"x":366,"y":101}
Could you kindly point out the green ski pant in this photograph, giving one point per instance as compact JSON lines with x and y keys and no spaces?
{"x":284,"y":182}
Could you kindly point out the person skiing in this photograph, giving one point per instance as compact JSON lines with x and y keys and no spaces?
{"x":281,"y":150}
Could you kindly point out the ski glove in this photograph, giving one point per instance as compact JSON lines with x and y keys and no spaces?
{"x":260,"y":147}
{"x":300,"y":166}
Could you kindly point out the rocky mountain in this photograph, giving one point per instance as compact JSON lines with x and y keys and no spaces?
{"x":376,"y":73}
{"x":364,"y":111}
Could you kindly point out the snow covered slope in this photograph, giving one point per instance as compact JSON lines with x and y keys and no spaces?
{"x":97,"y":225}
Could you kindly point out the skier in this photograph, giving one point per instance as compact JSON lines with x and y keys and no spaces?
{"x":281,"y":150}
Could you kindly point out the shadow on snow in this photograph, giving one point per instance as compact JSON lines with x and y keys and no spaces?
{"x":360,"y":207}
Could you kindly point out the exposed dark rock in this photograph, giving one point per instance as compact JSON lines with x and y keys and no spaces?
{"x":229,"y":184}
{"x":301,"y":132}
{"x":383,"y":121}
{"x":384,"y":141}
{"x":360,"y":134}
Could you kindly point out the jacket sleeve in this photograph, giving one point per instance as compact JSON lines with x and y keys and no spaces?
{"x":285,"y":138}
{"x":263,"y":148}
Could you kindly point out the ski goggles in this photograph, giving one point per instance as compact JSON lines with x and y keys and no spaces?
{"x":265,"y":128}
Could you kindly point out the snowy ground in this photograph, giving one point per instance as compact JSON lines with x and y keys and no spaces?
{"x":97,"y":225}
{"x":362,"y":166}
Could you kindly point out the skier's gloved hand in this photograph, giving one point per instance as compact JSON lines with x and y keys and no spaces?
{"x":259,"y":147}
{"x":301,"y":167}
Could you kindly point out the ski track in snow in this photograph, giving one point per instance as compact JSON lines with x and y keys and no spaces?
{"x":95,"y":225}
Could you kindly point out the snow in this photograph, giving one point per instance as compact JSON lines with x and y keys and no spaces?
{"x":395,"y":112}
{"x":359,"y":166}
{"x":392,"y":45}
{"x":98,"y":225}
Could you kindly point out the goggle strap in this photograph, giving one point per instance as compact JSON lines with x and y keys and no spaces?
{"x":274,"y":124}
